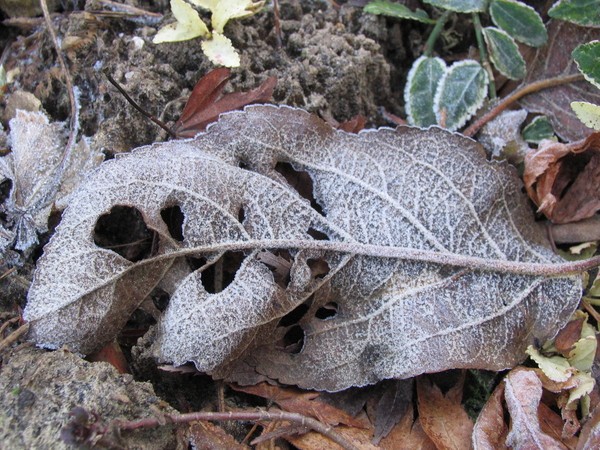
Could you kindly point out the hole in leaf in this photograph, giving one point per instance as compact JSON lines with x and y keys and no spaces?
{"x":222,"y":273}
{"x":293,"y":340}
{"x":5,"y":188}
{"x":124,"y":231}
{"x":318,"y":267}
{"x":160,"y":298}
{"x":301,"y":182}
{"x":279,"y":261}
{"x":327,"y":311}
{"x":293,"y":316}
{"x":173,"y":217}
{"x":318,"y":235}
{"x":195,"y":263}
{"x":241,"y":214}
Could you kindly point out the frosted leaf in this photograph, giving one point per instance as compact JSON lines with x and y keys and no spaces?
{"x":387,"y":266}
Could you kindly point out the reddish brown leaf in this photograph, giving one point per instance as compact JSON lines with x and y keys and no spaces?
{"x":207,"y":436}
{"x":391,"y":406}
{"x":203,"y":108}
{"x":353,"y":125}
{"x":407,"y":435}
{"x":564,"y":179}
{"x":570,"y":334}
{"x":553,"y":425}
{"x":112,"y":354}
{"x":443,"y":418}
{"x":553,"y":60}
{"x":523,"y":391}
{"x":490,"y":429}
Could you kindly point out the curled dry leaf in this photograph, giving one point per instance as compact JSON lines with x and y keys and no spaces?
{"x":523,"y":392}
{"x":490,"y":430}
{"x":428,"y":256}
{"x":562,"y":179}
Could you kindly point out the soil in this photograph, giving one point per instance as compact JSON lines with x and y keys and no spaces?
{"x":336,"y":62}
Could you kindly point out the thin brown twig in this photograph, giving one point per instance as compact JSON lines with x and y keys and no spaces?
{"x":590,"y":308}
{"x":131,"y":9}
{"x":12,"y":337}
{"x":527,"y":89}
{"x":6,"y":324}
{"x":254,"y":416}
{"x":8,"y":272}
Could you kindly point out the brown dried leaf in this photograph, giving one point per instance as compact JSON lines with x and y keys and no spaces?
{"x":443,"y":418}
{"x":523,"y":391}
{"x":589,"y":439}
{"x":208,"y":436}
{"x":301,"y":402}
{"x":552,"y":60}
{"x":562,"y":179}
{"x":571,"y":333}
{"x":408,"y":434}
{"x":431,"y":266}
{"x":490,"y":430}
{"x":396,"y":398}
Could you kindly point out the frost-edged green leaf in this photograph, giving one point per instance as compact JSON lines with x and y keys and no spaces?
{"x":587,"y":57}
{"x":421,"y":86}
{"x":397,"y":10}
{"x":461,"y":92}
{"x":520,"y":21}
{"x":581,"y":12}
{"x":188,"y":25}
{"x":538,"y":129}
{"x":588,"y":113}
{"x":462,"y":6}
{"x":504,"y":53}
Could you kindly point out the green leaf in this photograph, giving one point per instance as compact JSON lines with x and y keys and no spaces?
{"x":504,"y":53}
{"x":581,"y":12}
{"x":397,"y":10}
{"x":538,"y":129}
{"x":587,"y":57}
{"x":588,"y":113}
{"x":520,"y":21}
{"x":419,"y":93}
{"x":462,"y":6}
{"x":461,"y":92}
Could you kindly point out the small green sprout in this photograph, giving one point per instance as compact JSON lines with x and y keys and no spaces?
{"x":217,"y":47}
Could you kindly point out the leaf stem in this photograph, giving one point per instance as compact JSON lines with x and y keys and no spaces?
{"x":452,"y":259}
{"x":516,"y":95}
{"x":483,"y":56}
{"x":435,"y":33}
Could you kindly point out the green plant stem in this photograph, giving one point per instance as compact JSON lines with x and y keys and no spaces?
{"x":516,"y":95}
{"x":483,"y":56}
{"x":435,"y":33}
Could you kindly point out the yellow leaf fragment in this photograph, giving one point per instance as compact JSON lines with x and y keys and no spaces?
{"x":585,"y":385}
{"x":588,"y":113}
{"x":188,"y":25}
{"x":232,"y":9}
{"x":582,"y":356}
{"x":556,"y":368}
{"x":220,"y":50}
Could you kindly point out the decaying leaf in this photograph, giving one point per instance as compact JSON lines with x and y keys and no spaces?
{"x":501,"y":136}
{"x":562,"y":178}
{"x":523,"y":391}
{"x":413,"y":254}
{"x":490,"y":430}
{"x":553,"y":60}
{"x":40,"y":178}
{"x":443,"y":417}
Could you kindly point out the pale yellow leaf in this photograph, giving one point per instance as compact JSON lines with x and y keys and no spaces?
{"x":586,"y":384}
{"x":556,"y":368}
{"x":220,"y":51}
{"x":188,"y":25}
{"x":588,"y":113}
{"x":232,"y":9}
{"x":582,"y":356}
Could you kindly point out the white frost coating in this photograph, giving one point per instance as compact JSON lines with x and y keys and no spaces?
{"x":429,"y":191}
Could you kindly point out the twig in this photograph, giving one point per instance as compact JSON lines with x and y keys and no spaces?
{"x":131,"y":9}
{"x":516,"y":95}
{"x":254,"y":416}
{"x":6,"y":324}
{"x":277,"y":23}
{"x":585,"y":230}
{"x":8,"y":272}
{"x":589,"y":308}
{"x":138,"y":107}
{"x":12,"y":337}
